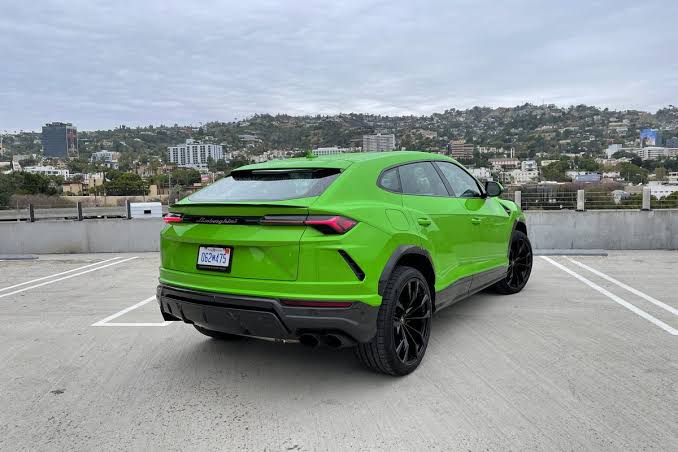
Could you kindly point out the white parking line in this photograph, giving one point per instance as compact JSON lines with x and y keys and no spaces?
{"x":58,"y":274}
{"x":669,"y":329}
{"x":645,"y":296}
{"x":67,"y":277}
{"x":104,"y":322}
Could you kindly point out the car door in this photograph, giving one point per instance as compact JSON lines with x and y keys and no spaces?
{"x":442,"y":220}
{"x":489,"y":220}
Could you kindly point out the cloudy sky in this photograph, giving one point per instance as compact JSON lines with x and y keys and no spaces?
{"x":101,"y":63}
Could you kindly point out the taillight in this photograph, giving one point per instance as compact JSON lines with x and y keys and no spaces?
{"x":331,"y":225}
{"x":327,"y":224}
{"x":172,"y":218}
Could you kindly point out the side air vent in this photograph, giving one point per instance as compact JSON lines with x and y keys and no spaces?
{"x":359,"y":273}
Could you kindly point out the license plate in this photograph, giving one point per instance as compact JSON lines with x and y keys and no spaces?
{"x":215,"y":258}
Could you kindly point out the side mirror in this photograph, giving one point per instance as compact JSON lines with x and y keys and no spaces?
{"x":493,"y":188}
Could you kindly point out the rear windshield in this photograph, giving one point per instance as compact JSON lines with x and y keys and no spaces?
{"x":268,"y":185}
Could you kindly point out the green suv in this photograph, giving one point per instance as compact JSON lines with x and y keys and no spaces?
{"x":351,"y":250}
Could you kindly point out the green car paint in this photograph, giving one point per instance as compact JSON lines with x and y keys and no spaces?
{"x":462,"y":236}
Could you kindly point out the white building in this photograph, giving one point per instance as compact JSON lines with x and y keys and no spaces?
{"x":107,"y":158}
{"x":481,"y":173}
{"x":518,"y":176}
{"x":333,"y":150}
{"x":274,"y":154}
{"x":490,"y":150}
{"x":378,"y":142}
{"x":327,"y":151}
{"x":505,"y":162}
{"x":48,"y":171}
{"x":528,"y":165}
{"x":194,"y":154}
{"x":660,"y":190}
{"x":654,"y":152}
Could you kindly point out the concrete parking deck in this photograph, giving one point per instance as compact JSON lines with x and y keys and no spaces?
{"x":586,"y":357}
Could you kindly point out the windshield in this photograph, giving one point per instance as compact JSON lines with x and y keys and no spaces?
{"x":268,"y":185}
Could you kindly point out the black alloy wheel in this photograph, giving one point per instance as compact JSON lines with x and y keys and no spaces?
{"x":411,"y":321}
{"x":403,"y":325}
{"x":520,"y":265}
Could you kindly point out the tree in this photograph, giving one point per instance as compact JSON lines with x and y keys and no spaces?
{"x":78,"y":166}
{"x":660,"y":173}
{"x":185,"y":176}
{"x":238,"y":162}
{"x":556,"y":171}
{"x":587,"y":164}
{"x":8,"y":186}
{"x":127,"y":184}
{"x":632,"y":173}
{"x":126,"y":161}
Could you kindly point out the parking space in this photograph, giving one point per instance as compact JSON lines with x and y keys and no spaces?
{"x":570,"y":363}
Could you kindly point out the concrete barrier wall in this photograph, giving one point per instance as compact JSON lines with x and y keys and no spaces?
{"x":604,"y":229}
{"x":89,"y":236}
{"x":601,"y":229}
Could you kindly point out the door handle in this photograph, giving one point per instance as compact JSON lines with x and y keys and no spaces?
{"x":424,"y":221}
{"x":475,"y":220}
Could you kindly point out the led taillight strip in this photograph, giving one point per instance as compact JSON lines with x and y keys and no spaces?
{"x":327,"y":224}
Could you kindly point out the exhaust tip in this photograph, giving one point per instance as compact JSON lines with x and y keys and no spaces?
{"x":334,"y":341}
{"x":309,"y":340}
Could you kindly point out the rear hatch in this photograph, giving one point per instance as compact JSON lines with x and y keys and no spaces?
{"x":256,"y":216}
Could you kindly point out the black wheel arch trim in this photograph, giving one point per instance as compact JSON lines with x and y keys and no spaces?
{"x":513,"y":229}
{"x":401,"y":251}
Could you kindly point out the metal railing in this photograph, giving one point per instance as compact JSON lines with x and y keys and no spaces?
{"x":581,"y":200}
{"x":37,"y":212}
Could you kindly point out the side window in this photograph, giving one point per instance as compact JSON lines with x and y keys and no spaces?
{"x":390,"y":181}
{"x":463,"y":184}
{"x":421,"y":179}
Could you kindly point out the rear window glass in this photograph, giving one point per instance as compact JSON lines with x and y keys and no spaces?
{"x":390,"y":181}
{"x":268,"y":185}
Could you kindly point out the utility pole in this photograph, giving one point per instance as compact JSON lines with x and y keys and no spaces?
{"x":169,"y":189}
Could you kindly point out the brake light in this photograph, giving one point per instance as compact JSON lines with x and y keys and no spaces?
{"x":327,"y":224}
{"x":172,"y":218}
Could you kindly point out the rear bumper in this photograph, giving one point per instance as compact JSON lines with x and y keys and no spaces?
{"x":264,"y":317}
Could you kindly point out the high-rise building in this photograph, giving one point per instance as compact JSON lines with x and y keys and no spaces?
{"x":378,"y":142}
{"x":60,"y":139}
{"x":650,"y":137}
{"x":460,"y":150}
{"x":194,"y":154}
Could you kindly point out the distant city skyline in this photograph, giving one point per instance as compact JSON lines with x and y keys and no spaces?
{"x":104,"y":63}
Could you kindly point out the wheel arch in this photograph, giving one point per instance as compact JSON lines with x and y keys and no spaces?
{"x":411,"y":256}
{"x":520,"y":226}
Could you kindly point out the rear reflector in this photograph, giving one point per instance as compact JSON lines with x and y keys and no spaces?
{"x":317,"y":304}
{"x":172,"y":218}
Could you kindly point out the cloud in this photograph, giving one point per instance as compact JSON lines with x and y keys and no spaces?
{"x":103,"y":63}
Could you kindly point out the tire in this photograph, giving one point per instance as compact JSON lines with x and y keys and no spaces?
{"x":217,"y":334}
{"x":400,"y":327}
{"x":520,"y":265}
